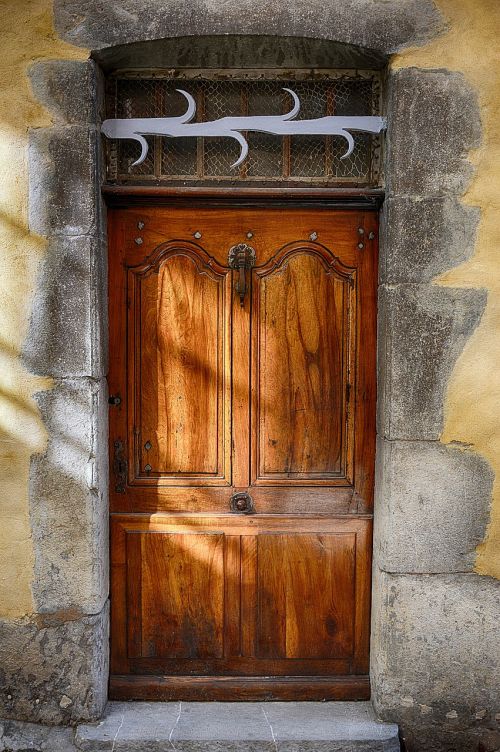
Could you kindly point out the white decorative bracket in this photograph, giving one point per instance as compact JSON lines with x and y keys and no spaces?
{"x":233,"y":127}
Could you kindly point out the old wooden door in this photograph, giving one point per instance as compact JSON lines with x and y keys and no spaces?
{"x":242,"y":447}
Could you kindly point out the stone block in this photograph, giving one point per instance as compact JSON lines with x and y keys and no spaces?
{"x":424,"y":737}
{"x":67,"y":336}
{"x":232,"y":51}
{"x":69,"y":90}
{"x":245,"y":727}
{"x":68,"y":499}
{"x":432,"y":505}
{"x":383,"y":26}
{"x":424,"y":237}
{"x":436,"y":657}
{"x":19,"y":736}
{"x":64,"y":181}
{"x":490,"y":742}
{"x":422,"y":331}
{"x":434,"y":121}
{"x":54,"y":670}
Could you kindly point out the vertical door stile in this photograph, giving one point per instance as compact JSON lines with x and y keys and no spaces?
{"x":248,"y":594}
{"x":241,"y":440}
{"x":232,"y":595}
{"x":254,"y":378}
{"x":226,"y":440}
{"x":118,"y":375}
{"x":240,"y":380}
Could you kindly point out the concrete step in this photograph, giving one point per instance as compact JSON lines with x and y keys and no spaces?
{"x":238,"y":727}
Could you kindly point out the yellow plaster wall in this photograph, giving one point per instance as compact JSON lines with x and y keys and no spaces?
{"x":27,"y":35}
{"x":473,"y":400}
{"x":472,"y":410}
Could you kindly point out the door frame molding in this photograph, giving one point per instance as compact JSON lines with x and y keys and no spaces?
{"x":65,"y":209}
{"x":142,"y":195}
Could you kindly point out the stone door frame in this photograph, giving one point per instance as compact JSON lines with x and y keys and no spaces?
{"x":433,"y":123}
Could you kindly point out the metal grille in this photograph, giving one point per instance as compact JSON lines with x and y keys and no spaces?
{"x":271,"y":159}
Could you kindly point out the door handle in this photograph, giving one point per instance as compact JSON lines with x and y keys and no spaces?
{"x":241,"y":257}
{"x":241,"y":503}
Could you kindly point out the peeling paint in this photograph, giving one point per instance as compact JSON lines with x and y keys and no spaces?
{"x":472,"y":407}
{"x":27,"y":35}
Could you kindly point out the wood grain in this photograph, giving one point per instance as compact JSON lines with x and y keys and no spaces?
{"x":289,"y":594}
{"x":184,"y":615}
{"x":306,"y":595}
{"x":178,"y":324}
{"x":302,"y":351}
{"x":239,"y":688}
{"x":275,"y":398}
{"x":180,"y":360}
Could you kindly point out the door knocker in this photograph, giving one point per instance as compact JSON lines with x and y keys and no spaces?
{"x":241,"y":258}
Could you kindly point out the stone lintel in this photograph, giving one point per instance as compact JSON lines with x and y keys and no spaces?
{"x":384,"y":27}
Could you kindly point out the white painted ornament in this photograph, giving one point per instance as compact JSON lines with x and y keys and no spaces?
{"x":234,"y":127}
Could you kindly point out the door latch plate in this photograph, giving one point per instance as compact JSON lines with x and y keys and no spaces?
{"x":242,"y":503}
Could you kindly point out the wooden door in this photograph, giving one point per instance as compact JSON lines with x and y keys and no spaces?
{"x":270,"y":394}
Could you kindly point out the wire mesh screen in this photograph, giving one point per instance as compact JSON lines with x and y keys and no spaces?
{"x":271,"y":159}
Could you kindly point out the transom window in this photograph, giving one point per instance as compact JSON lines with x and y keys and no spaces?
{"x":314,"y":160}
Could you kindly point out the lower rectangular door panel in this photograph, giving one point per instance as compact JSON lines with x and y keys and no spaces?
{"x":237,"y":597}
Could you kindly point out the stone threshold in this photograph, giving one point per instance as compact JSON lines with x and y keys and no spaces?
{"x":238,"y":727}
{"x":213,"y":727}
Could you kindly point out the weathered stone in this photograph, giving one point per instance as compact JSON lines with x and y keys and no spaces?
{"x":438,"y":652}
{"x":296,"y":726}
{"x":68,"y":328}
{"x":68,"y":500}
{"x":383,"y":26}
{"x":63,"y":171}
{"x":422,"y":331}
{"x":436,"y":664}
{"x":238,"y":51}
{"x":432,"y":506}
{"x":251,"y":727}
{"x":434,"y":120}
{"x":424,"y":237}
{"x":490,"y":742}
{"x":43,"y":661}
{"x":68,"y":89}
{"x":422,"y":737}
{"x":18,"y":736}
